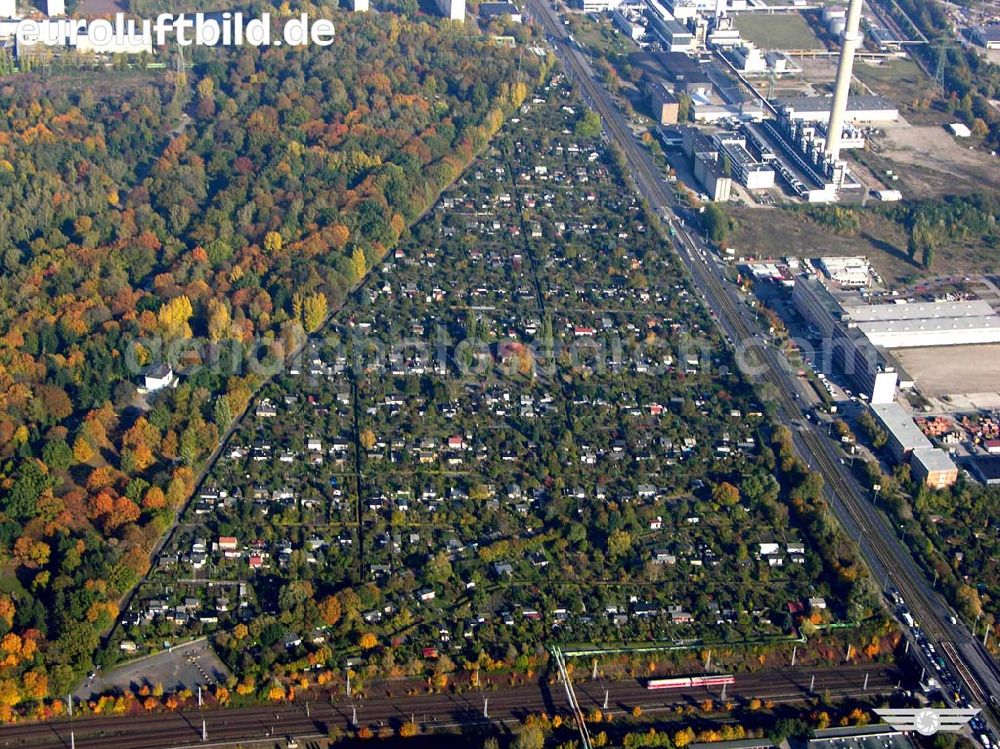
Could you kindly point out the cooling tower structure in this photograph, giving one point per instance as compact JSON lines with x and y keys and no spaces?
{"x":852,"y":37}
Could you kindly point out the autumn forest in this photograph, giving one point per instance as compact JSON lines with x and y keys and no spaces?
{"x":236,"y":202}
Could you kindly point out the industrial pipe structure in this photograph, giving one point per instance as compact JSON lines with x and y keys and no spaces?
{"x":852,"y":38}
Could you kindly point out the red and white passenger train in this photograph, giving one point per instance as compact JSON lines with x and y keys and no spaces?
{"x":678,"y":682}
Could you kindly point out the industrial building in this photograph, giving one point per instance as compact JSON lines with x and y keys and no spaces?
{"x":904,"y":434}
{"x":834,"y":13}
{"x":951,"y":331}
{"x":887,"y":196}
{"x":847,"y":271}
{"x":960,"y":130}
{"x":860,"y":311}
{"x":748,"y":59}
{"x":675,"y":36}
{"x":736,"y":744}
{"x":453,"y":10}
{"x":691,"y":9}
{"x":987,"y":469}
{"x":796,"y":161}
{"x":750,"y":172}
{"x":923,"y":324}
{"x":489,"y":11}
{"x":859,"y":108}
{"x":861,"y":335}
{"x":859,"y":737}
{"x":722,"y":33}
{"x":662,"y":103}
{"x":987,"y":36}
{"x":933,"y":467}
{"x":629,"y":23}
{"x":704,"y":155}
{"x":872,"y":369}
{"x":884,"y":39}
{"x":929,"y":465}
{"x":685,"y":74}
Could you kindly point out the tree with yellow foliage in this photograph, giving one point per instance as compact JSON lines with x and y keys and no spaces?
{"x":314,"y":311}
{"x":173,"y":317}
{"x":859,"y":717}
{"x":359,"y":266}
{"x":368,"y":641}
{"x":329,"y":610}
{"x":397,"y":223}
{"x":7,"y":609}
{"x":273,"y":242}
{"x":683,"y":737}
{"x":10,"y":695}
{"x":154,"y":499}
{"x":408,"y":729}
{"x":10,"y":646}
{"x":34,"y":685}
{"x":206,"y":88}
{"x":340,"y":235}
{"x":82,"y":451}
{"x":31,"y":553}
{"x":219,"y":320}
{"x":246,"y":686}
{"x":367,"y":439}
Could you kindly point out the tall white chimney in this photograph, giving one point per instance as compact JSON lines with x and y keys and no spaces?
{"x":852,"y":37}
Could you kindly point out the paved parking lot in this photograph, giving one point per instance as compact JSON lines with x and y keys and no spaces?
{"x":185,"y":666}
{"x":954,"y":370}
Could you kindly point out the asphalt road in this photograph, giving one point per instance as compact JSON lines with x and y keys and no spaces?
{"x":164,"y":730}
{"x":889,"y":560}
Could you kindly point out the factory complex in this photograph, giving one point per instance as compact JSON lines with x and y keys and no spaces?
{"x":700,"y":65}
{"x":863,"y":331}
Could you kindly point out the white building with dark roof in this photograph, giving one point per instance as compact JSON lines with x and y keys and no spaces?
{"x":987,"y":36}
{"x":453,"y":10}
{"x":859,"y":108}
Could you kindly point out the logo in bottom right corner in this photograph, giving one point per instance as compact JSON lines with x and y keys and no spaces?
{"x":927,"y":721}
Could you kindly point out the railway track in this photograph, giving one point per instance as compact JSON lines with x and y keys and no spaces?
{"x":888,"y":560}
{"x":161,"y":730}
